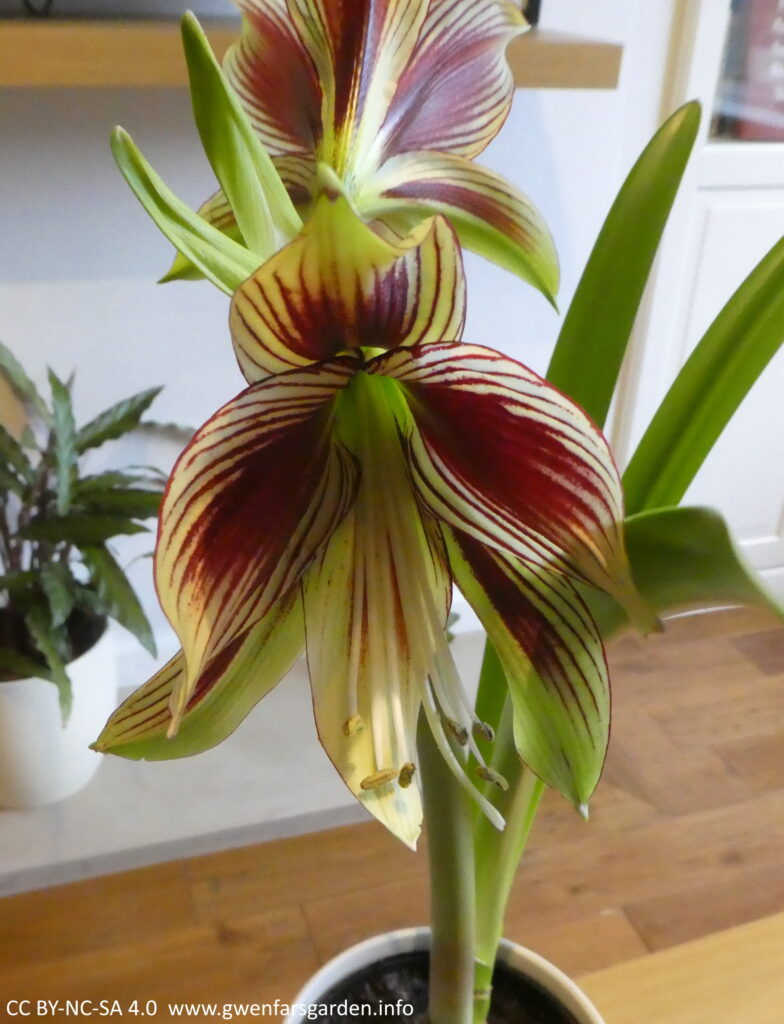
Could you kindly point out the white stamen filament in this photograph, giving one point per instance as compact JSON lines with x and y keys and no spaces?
{"x":437,"y":729}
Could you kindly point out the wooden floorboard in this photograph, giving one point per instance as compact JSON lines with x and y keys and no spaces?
{"x":686,"y":837}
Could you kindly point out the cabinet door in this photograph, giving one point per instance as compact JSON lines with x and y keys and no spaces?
{"x":731,"y":211}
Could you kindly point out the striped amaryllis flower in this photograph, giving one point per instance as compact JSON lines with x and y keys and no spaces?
{"x":373,"y":460}
{"x":397,"y":97}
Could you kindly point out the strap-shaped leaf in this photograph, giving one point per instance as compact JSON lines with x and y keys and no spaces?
{"x":117,"y":595}
{"x":681,"y":558}
{"x":716,"y":378}
{"x":221,"y":260}
{"x":13,"y":374}
{"x":116,"y":420}
{"x":265,"y":214}
{"x":596,"y":331}
{"x":64,"y":437}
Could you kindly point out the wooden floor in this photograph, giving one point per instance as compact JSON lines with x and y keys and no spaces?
{"x":686,"y":837}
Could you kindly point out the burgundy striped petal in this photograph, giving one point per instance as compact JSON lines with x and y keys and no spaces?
{"x":255,"y":494}
{"x":339,"y":286}
{"x":553,"y":659}
{"x":508,"y":459}
{"x":230,"y":685}
{"x":276,"y":81}
{"x":359,"y":50}
{"x":490,"y":215}
{"x":457,"y":88}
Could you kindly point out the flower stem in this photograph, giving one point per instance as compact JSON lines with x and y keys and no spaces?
{"x":449,"y":816}
{"x":498,"y":857}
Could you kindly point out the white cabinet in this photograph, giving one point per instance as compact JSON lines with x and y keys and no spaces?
{"x":730,"y":213}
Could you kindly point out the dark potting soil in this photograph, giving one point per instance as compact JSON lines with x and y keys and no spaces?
{"x":401,"y":981}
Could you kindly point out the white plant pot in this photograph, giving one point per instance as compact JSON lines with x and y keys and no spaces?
{"x":411,"y":940}
{"x":41,"y":761}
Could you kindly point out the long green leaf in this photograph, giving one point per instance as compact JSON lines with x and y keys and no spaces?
{"x":133,"y":502}
{"x":18,"y":582}
{"x":264,"y":212}
{"x":14,"y":665}
{"x":60,"y":589}
{"x":80,"y":529}
{"x":116,"y":420}
{"x":221,"y":260}
{"x":596,"y":331}
{"x":14,"y":456}
{"x":10,"y":482}
{"x":681,"y":558}
{"x":64,"y":436}
{"x":716,"y":378}
{"x":41,"y":630}
{"x":117,"y":595}
{"x":106,"y":481}
{"x":12,"y":372}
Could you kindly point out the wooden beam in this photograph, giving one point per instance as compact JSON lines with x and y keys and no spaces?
{"x":105,"y":54}
{"x":553,"y":60}
{"x":97,"y":54}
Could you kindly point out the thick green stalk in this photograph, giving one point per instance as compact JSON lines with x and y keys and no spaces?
{"x":449,"y":817}
{"x":498,"y":857}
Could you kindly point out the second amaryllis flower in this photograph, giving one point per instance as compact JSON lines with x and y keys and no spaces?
{"x":373,"y":460}
{"x":398,"y":97}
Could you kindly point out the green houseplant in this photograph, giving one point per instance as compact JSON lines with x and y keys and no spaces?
{"x":59,"y":580}
{"x":392,"y":458}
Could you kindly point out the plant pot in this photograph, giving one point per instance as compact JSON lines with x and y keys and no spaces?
{"x":42,"y":761}
{"x":530,"y":982}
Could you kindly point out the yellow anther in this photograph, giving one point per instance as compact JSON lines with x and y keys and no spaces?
{"x":459,"y":731}
{"x":489,"y":775}
{"x":353,"y":725}
{"x":406,"y":774}
{"x":483,"y":731}
{"x":378,"y":779}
